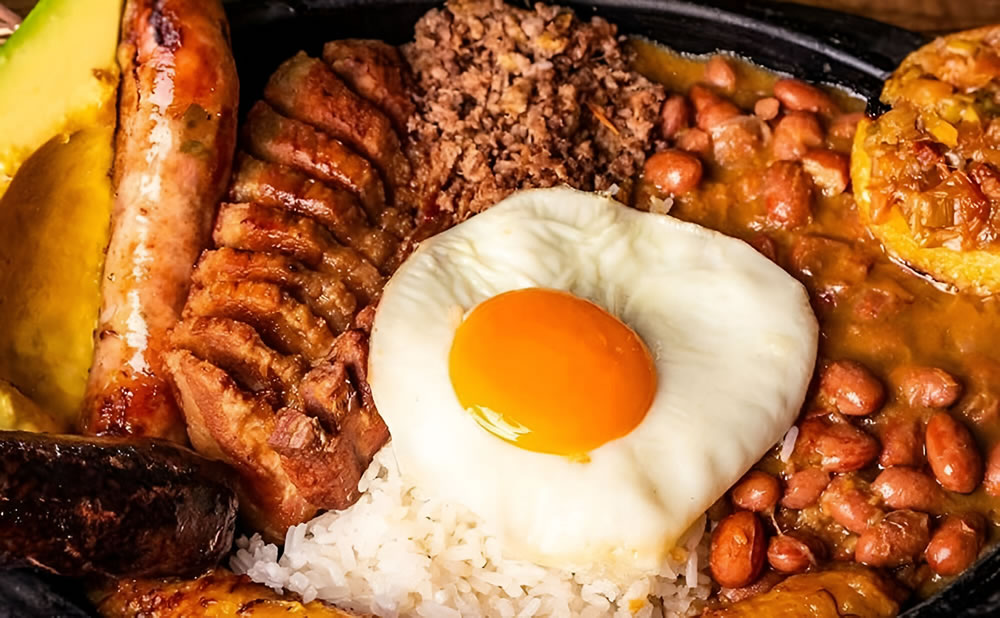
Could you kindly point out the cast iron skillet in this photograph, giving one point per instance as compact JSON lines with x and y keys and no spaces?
{"x":814,"y":44}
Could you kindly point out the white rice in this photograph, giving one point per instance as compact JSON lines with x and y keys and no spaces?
{"x":399,"y":553}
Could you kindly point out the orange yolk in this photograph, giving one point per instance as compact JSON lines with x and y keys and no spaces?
{"x":551,"y":372}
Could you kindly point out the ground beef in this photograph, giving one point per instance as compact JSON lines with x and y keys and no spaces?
{"x":510,"y":98}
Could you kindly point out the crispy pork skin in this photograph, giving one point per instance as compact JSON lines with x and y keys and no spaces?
{"x":176,"y":136}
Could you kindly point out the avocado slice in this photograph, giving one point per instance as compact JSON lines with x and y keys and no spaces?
{"x":58,"y":94}
{"x":57,"y":74}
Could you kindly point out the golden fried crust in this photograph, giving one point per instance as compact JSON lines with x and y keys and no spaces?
{"x":217,"y":594}
{"x":926,"y":174}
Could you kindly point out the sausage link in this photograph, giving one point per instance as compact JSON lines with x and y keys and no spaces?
{"x":851,"y":388}
{"x":956,"y":543}
{"x":176,"y":136}
{"x":757,"y":491}
{"x":896,"y":540}
{"x":737,"y":551}
{"x":907,"y":488}
{"x":952,"y":454}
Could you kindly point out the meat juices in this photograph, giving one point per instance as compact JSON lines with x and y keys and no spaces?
{"x":176,"y":136}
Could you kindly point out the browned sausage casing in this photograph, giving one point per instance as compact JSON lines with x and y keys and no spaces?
{"x":112,"y":506}
{"x":176,"y":136}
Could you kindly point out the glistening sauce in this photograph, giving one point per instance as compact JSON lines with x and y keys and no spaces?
{"x":870,"y":309}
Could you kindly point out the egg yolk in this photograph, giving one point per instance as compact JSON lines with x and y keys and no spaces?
{"x":550,"y":372}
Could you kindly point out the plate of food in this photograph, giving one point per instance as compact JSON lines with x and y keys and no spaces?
{"x":406,"y":308}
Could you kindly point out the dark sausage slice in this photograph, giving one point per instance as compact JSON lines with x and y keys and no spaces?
{"x":113,"y":507}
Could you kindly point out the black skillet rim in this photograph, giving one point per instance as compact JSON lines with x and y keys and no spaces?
{"x":815,"y":44}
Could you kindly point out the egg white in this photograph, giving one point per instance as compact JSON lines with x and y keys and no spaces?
{"x":733,"y":340}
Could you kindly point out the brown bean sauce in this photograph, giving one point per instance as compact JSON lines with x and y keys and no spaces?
{"x":871,"y":310}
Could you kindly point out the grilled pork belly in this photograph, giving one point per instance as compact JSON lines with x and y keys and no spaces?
{"x":306,"y":89}
{"x":269,"y":361}
{"x":275,"y":138}
{"x":376,"y":71}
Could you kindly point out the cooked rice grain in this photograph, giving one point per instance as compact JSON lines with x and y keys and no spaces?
{"x":399,"y":553}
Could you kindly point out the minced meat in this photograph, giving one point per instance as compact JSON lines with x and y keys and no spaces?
{"x":511,"y":98}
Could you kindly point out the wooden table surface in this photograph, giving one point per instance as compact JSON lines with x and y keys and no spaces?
{"x":922,"y":15}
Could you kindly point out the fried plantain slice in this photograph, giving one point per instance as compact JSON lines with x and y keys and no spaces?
{"x":926,"y":174}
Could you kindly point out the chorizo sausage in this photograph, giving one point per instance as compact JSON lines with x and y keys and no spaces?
{"x":175,"y":143}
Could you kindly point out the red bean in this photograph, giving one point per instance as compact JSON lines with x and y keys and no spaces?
{"x":952,"y":454}
{"x":702,"y":97}
{"x":710,"y":108}
{"x":956,"y":543}
{"x":737,"y":551}
{"x":835,"y":446}
{"x":991,"y":483}
{"x":673,"y":171}
{"x":719,"y":73}
{"x":792,"y":554}
{"x":851,"y":388}
{"x":845,"y":125}
{"x":828,"y":169}
{"x":927,"y":387}
{"x":767,"y":108}
{"x":898,"y":539}
{"x":908,"y":488}
{"x":758,"y":491}
{"x":714,"y":115}
{"x":795,"y":134}
{"x":693,"y":140}
{"x":803,"y":488}
{"x":800,"y":96}
{"x":787,"y":195}
{"x":847,"y":502}
{"x":902,"y":444}
{"x":675,"y":116}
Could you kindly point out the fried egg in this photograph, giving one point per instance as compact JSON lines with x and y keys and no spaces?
{"x":585,"y":377}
